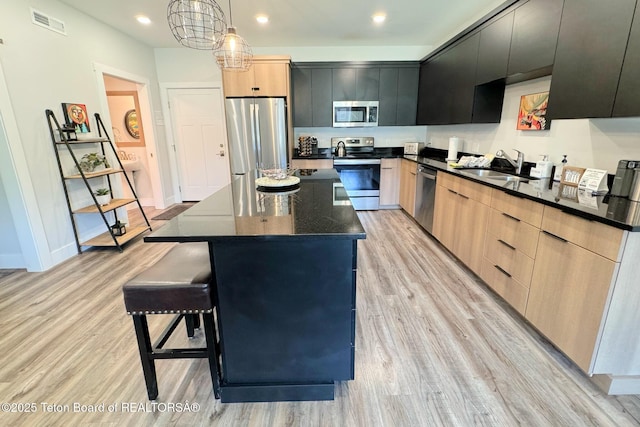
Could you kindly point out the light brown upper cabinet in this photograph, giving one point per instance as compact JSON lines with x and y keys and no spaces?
{"x":267,"y":76}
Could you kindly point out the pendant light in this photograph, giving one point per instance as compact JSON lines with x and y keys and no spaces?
{"x":233,"y":53}
{"x":198,"y":24}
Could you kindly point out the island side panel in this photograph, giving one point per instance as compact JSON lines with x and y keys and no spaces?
{"x":286,"y":310}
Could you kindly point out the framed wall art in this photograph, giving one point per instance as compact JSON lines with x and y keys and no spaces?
{"x":131,"y":123}
{"x":76,"y":115}
{"x":532,"y":112}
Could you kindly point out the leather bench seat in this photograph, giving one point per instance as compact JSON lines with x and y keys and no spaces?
{"x":177,"y":283}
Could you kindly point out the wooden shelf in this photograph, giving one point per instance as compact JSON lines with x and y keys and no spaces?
{"x":103,"y":172}
{"x":82,"y":141}
{"x":105,"y":239}
{"x":114,"y":204}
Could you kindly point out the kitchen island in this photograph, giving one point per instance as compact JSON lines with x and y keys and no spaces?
{"x":284,"y":267}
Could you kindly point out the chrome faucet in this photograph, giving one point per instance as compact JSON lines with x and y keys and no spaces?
{"x":515,"y":163}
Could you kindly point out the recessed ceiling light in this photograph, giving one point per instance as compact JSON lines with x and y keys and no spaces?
{"x":143,"y":19}
{"x":263,"y":19}
{"x":379,"y":18}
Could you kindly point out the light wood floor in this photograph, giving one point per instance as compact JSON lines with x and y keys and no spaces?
{"x":434,"y":348}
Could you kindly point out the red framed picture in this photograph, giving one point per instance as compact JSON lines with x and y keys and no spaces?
{"x":76,"y":115}
{"x":533,"y":110}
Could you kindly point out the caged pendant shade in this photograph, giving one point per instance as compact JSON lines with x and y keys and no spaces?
{"x":197,"y":24}
{"x":233,"y":52}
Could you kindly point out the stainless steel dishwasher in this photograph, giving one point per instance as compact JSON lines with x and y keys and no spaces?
{"x":426,"y":196}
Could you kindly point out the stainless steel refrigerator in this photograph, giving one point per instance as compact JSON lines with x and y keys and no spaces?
{"x":257,"y":132}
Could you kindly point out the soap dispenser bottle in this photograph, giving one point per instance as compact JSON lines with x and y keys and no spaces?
{"x":558,"y":175}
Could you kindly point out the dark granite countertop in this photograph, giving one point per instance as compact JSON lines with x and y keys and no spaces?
{"x":614,"y":211}
{"x":327,"y":153}
{"x":239,"y":210}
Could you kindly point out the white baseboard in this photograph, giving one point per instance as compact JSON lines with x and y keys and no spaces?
{"x":618,"y":385}
{"x":64,"y":253}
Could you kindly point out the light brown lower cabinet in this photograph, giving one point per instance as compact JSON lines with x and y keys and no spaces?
{"x":389,"y":183}
{"x":460,"y":218}
{"x":312,"y":163}
{"x":408,"y":183}
{"x":567,"y":298}
{"x":574,"y":279}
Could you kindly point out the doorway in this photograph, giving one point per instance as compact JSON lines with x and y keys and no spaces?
{"x":199,"y":140}
{"x":147,"y":180}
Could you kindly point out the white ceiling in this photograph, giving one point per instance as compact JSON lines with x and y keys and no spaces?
{"x":302,"y":23}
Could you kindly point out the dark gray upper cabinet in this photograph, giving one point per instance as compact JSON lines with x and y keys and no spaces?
{"x":356,"y":84}
{"x":461,"y":63}
{"x":317,"y":85}
{"x":493,"y":51}
{"x":311,"y":96}
{"x":388,"y":97}
{"x":591,"y":47}
{"x":344,"y":84}
{"x":447,"y":85}
{"x":628,"y":97}
{"x":535,"y":33}
{"x":367,"y":84}
{"x":431,"y":92}
{"x":301,"y":97}
{"x":321,"y":95}
{"x":407,"y":104}
{"x":398,"y":92}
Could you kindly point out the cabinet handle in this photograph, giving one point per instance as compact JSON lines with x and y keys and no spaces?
{"x":506,"y":244}
{"x":255,"y":89}
{"x":386,"y":168}
{"x":555,"y":237}
{"x":463,"y":196}
{"x":502,"y":271}
{"x":510,"y":217}
{"x":451,"y":191}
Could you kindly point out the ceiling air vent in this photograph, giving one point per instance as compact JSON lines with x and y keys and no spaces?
{"x":46,"y":21}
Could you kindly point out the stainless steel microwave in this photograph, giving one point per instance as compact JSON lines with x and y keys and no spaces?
{"x":350,"y":114}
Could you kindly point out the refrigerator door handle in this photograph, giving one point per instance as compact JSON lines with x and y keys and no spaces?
{"x":257,"y":141}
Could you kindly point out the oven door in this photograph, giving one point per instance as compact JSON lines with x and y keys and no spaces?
{"x":361,"y":182}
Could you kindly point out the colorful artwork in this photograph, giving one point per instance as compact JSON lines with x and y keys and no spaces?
{"x":76,"y":115}
{"x":533,"y":109}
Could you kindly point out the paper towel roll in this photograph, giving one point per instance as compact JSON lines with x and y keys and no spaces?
{"x":455,"y":144}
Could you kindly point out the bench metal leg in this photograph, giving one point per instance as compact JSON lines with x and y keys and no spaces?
{"x":148,"y":363}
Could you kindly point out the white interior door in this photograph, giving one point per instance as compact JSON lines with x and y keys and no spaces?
{"x":197,"y":117}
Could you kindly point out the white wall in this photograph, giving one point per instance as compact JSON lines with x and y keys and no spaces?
{"x":10,"y":251}
{"x":596,"y":143}
{"x":42,"y":70}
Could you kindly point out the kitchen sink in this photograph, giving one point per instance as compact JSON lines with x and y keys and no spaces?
{"x":495,"y":175}
{"x":508,"y":178}
{"x":487,"y":173}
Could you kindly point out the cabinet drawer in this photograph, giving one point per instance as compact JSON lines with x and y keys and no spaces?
{"x":514,"y":232}
{"x":507,"y":287}
{"x":509,"y":259}
{"x":312,"y":164}
{"x":594,"y":236}
{"x":517,"y":207}
{"x":466,"y":188}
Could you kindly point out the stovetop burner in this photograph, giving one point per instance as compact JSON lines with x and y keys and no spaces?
{"x":356,"y":148}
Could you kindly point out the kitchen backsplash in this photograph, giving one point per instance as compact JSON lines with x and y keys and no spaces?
{"x":385,"y":136}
